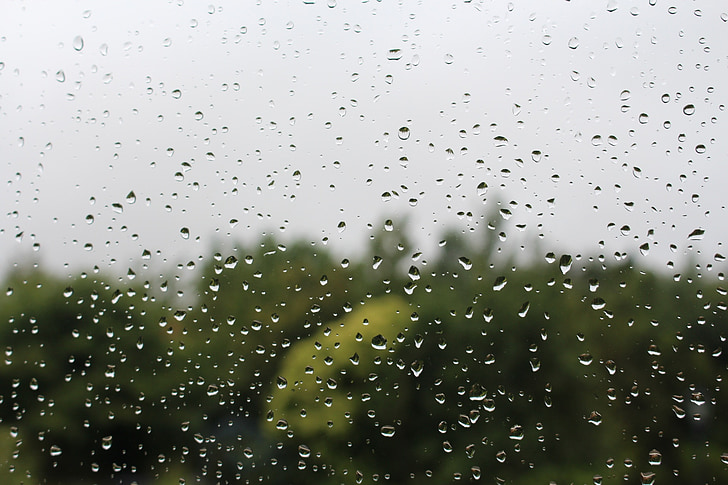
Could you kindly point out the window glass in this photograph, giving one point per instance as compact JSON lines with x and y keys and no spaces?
{"x":351,"y":242}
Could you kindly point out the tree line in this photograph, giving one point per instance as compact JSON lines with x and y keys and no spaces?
{"x":286,"y":364}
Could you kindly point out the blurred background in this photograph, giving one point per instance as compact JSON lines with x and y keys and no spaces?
{"x":320,"y":241}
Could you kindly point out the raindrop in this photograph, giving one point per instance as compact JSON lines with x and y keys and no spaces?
{"x":585,"y":359}
{"x":465,"y":262}
{"x":482,"y":189}
{"x":60,"y":76}
{"x":387,"y":431}
{"x":449,"y":58}
{"x":131,"y":197}
{"x":689,"y":109}
{"x":379,"y":342}
{"x":404,"y":133}
{"x":417,"y":367}
{"x":394,"y":54}
{"x":516,"y":432}
{"x":281,"y":382}
{"x":565,"y":263}
{"x":106,"y":442}
{"x":55,"y":450}
{"x":654,"y":457}
{"x":573,"y":43}
{"x":176,"y":94}
{"x":595,"y":418}
{"x":499,"y":283}
{"x":78,"y":43}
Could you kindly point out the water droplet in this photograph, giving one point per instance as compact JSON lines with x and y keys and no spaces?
{"x":465,"y":262}
{"x":654,"y":457}
{"x":499,"y":283}
{"x":387,"y":431}
{"x":449,"y":58}
{"x":341,"y":226}
{"x":60,"y":76}
{"x":516,"y":432}
{"x":212,"y":390}
{"x":523,"y":311}
{"x":185,"y":233}
{"x":55,"y":450}
{"x":573,"y":43}
{"x":598,"y":303}
{"x":106,"y":442}
{"x":394,"y":54}
{"x":231,"y":262}
{"x":595,"y":418}
{"x":379,"y":342}
{"x":281,"y":382}
{"x":586,"y":359}
{"x":645,"y":249}
{"x":565,"y":263}
{"x":78,"y":43}
{"x":376,"y":262}
{"x":689,"y":109}
{"x":131,"y":197}
{"x":644,"y":118}
{"x":417,"y":367}
{"x":176,"y":94}
{"x":482,"y":189}
{"x":388,"y":225}
{"x":404,"y":133}
{"x":500,"y":141}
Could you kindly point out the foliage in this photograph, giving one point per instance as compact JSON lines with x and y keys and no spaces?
{"x":291,"y":367}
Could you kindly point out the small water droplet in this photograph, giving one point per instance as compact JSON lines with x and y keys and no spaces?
{"x":78,"y":43}
{"x":404,"y":133}
{"x":689,"y":109}
{"x":185,"y":233}
{"x":573,"y":43}
{"x":56,"y":450}
{"x":176,"y":94}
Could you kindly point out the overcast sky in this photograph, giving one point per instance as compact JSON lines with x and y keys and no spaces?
{"x":588,"y":121}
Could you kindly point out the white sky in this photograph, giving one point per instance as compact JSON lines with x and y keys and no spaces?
{"x":287,"y":87}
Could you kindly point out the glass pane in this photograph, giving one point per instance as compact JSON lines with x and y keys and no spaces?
{"x":337,"y":242}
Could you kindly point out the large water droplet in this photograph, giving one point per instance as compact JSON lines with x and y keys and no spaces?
{"x":387,"y":431}
{"x":379,"y":342}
